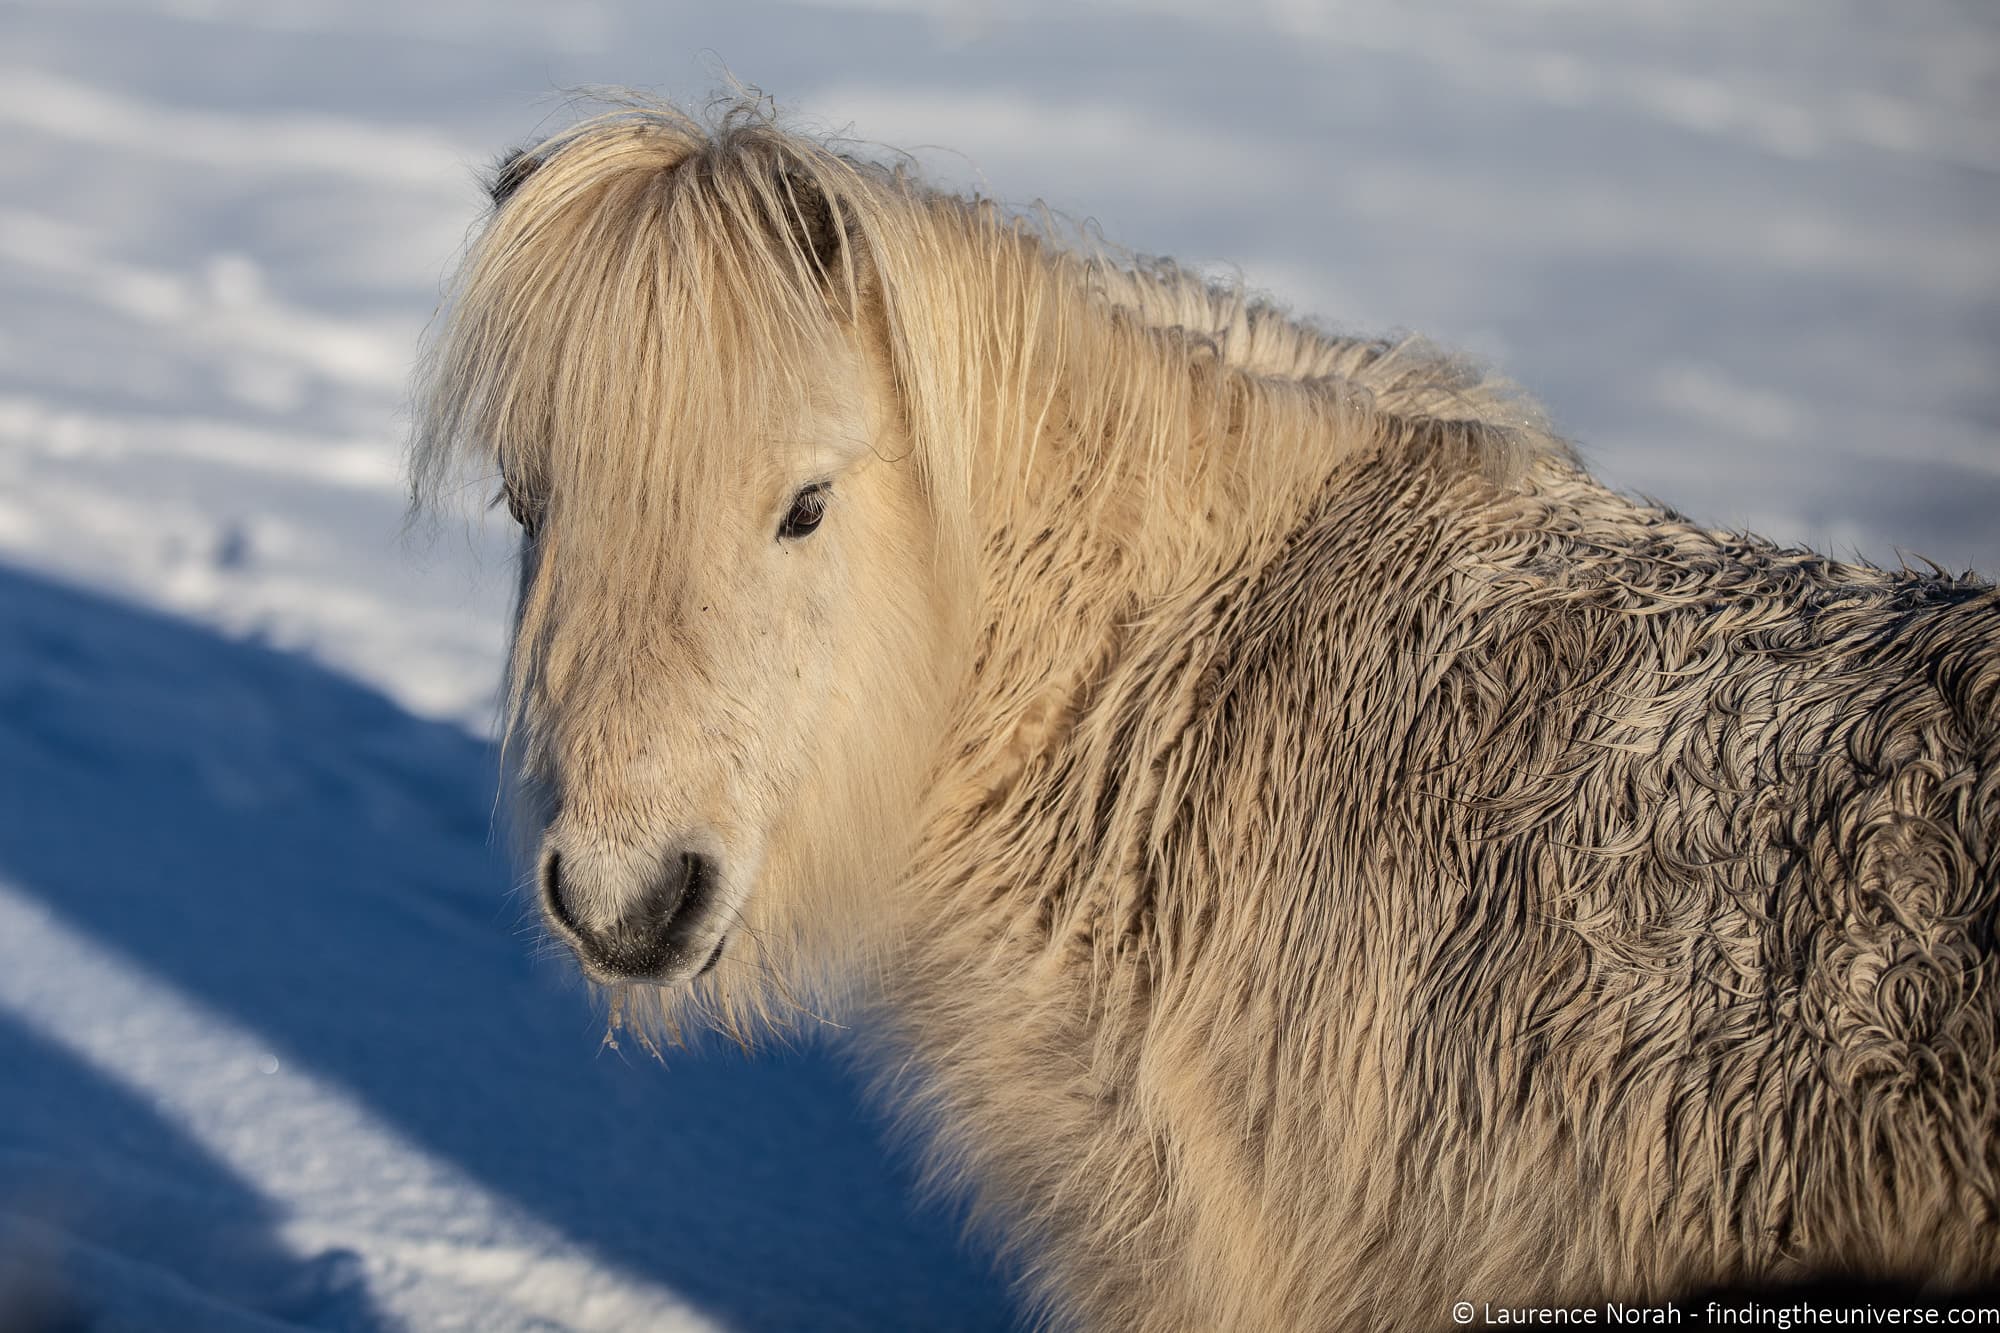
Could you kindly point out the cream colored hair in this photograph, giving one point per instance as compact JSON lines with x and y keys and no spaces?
{"x":1341,"y":860}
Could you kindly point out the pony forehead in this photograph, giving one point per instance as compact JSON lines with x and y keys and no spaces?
{"x":645,"y":285}
{"x":652,"y":281}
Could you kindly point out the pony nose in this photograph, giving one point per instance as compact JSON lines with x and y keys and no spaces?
{"x":643,"y":937}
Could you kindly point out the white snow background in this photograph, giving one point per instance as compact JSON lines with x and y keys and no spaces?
{"x":275,"y":1050}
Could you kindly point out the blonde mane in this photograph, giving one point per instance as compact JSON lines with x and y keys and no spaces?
{"x":645,"y":225}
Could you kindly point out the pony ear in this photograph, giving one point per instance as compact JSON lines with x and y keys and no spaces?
{"x":813,"y":225}
{"x":513,"y":167}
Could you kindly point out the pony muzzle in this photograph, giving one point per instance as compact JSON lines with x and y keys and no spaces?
{"x":664,"y":934}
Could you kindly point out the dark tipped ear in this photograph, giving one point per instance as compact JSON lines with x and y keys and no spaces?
{"x":813,"y":224}
{"x":513,"y":167}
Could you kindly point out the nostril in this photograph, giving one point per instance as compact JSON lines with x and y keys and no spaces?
{"x":552,"y":895}
{"x":697,"y":876}
{"x":691,"y":904}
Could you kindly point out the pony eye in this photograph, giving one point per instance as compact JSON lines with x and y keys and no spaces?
{"x":807,"y":511}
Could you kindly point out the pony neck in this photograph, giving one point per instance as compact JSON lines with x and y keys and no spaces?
{"x":1119,"y":475}
{"x":1118,"y":464}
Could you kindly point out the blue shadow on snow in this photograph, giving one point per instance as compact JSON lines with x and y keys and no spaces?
{"x":292,"y":849}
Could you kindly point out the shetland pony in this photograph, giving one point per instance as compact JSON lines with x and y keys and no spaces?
{"x":1302,"y":851}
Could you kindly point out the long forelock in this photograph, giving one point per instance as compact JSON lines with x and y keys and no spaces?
{"x":623,"y":335}
{"x":627,"y":297}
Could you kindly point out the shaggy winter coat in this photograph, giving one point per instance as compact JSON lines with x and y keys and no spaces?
{"x":1340,"y":859}
{"x":1500,"y":892}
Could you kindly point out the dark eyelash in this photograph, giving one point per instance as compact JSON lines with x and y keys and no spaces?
{"x":808,"y":511}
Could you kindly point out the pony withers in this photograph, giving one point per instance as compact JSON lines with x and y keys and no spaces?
{"x":1302,"y":852}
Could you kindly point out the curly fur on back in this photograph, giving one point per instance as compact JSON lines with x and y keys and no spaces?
{"x":1364,"y":863}
{"x":1510,"y":893}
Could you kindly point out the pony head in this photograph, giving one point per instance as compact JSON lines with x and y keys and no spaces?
{"x":735,"y":630}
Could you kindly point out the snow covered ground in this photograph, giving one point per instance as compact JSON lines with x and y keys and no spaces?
{"x":274,"y":1049}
